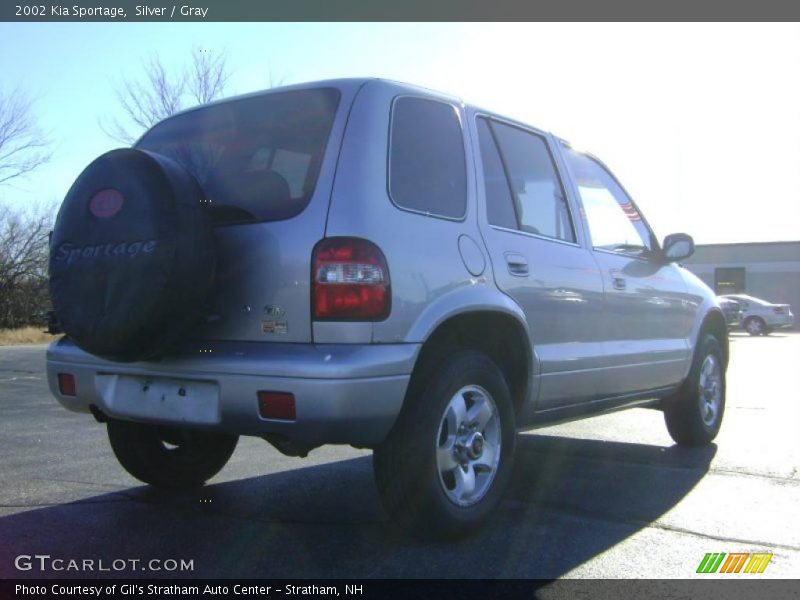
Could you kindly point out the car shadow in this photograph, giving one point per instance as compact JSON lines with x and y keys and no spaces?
{"x":571,"y":500}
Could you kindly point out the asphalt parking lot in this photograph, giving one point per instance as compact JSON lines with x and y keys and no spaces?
{"x":608,"y":497}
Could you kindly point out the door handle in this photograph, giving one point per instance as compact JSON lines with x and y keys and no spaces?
{"x":517,"y":264}
{"x":617,"y":280}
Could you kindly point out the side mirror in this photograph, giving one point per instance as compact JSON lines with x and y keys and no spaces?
{"x":677,"y":246}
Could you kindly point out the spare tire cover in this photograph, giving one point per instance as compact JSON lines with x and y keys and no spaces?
{"x":131,"y":256}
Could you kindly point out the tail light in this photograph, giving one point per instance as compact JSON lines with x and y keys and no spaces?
{"x":779,"y":310}
{"x":349,"y":281}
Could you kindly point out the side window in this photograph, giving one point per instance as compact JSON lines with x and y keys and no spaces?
{"x":614,"y":222}
{"x":427,"y":164}
{"x":531,"y":184}
{"x":499,"y":203}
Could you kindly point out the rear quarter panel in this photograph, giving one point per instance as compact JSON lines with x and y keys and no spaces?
{"x":428,"y":276}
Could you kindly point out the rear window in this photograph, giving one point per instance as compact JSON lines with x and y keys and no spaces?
{"x":427,"y":165}
{"x":255,"y":158}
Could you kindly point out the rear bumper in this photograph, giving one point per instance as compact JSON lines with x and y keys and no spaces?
{"x":344,"y":393}
{"x":780,"y":321}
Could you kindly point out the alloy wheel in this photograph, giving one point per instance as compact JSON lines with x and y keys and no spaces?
{"x":468,"y":445}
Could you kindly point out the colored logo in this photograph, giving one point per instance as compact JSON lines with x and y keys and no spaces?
{"x":735,"y":562}
{"x":106,"y":203}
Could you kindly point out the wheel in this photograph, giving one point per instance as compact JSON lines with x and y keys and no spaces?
{"x":755,"y":326}
{"x":447,"y":461}
{"x":132,"y":256}
{"x":169,"y":457}
{"x":694,"y":414}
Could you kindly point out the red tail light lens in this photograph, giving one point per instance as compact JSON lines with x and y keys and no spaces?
{"x":350,"y":281}
{"x":276,"y":405}
{"x":66,"y":384}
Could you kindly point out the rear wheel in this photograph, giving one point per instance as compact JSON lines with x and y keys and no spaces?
{"x":755,"y":326}
{"x":169,"y":457}
{"x":694,"y":414}
{"x":445,"y":465}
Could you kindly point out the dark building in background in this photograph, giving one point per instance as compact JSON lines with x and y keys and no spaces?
{"x":768,"y":270}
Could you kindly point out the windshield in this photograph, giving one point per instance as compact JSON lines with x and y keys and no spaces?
{"x":256,"y":158}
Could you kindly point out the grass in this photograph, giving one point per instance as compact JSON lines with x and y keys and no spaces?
{"x":25,"y":335}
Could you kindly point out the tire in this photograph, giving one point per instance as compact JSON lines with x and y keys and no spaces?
{"x":417,"y":471}
{"x":755,"y":326}
{"x":169,"y":457}
{"x":132,"y":256}
{"x":694,"y":415}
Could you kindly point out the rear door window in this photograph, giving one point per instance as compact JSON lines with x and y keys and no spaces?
{"x":522,"y":187}
{"x":427,"y":164}
{"x":256,"y":158}
{"x":500,"y":209}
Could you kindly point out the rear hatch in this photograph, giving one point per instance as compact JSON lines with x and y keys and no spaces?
{"x":266,"y":164}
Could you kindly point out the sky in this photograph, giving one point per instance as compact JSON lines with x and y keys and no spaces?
{"x":700,"y":122}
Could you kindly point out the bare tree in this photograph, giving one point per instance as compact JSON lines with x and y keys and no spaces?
{"x":207,"y":76}
{"x":23,"y":234}
{"x":161,"y":92}
{"x":23,"y":145}
{"x":147,"y":102}
{"x":23,"y":264}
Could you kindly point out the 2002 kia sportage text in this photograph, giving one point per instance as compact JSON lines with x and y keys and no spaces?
{"x":369,"y":263}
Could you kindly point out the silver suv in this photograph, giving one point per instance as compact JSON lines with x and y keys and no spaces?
{"x":369,"y":263}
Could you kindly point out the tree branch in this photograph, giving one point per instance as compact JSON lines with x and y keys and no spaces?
{"x":23,"y":145}
{"x":160,"y":93}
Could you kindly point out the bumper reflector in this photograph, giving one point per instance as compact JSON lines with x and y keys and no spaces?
{"x":66,"y":384}
{"x":276,"y":405}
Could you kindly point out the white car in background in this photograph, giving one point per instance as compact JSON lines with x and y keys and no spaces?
{"x":760,"y":317}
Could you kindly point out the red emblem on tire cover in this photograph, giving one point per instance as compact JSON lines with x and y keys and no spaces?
{"x":106,"y":203}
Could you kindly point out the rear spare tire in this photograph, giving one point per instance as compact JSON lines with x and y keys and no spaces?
{"x":131,"y":256}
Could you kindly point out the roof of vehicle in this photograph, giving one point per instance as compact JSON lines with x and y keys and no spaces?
{"x":745,"y":297}
{"x":353,"y":84}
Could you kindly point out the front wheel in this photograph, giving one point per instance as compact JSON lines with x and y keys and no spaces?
{"x":445,"y":465}
{"x":694,"y":414}
{"x":169,"y":457}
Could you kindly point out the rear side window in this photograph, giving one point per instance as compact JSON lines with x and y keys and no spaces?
{"x":538,"y":197}
{"x":427,"y":165}
{"x":500,"y":209}
{"x":256,"y":158}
